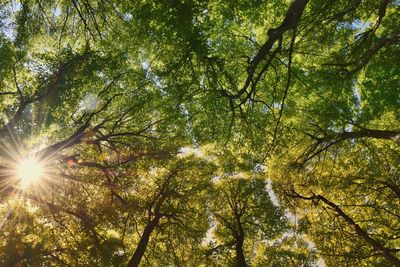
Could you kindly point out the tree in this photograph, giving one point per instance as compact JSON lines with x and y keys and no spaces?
{"x":247,"y":222}
{"x":302,"y":96}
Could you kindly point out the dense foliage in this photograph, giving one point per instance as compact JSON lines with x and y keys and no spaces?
{"x":200,"y":133}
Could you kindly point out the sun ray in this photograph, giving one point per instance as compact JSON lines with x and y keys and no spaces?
{"x":29,"y":171}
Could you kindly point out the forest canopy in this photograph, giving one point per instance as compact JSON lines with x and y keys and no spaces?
{"x":200,"y":133}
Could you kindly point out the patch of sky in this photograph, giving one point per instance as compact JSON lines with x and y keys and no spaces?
{"x":265,"y":110}
{"x":89,"y":103}
{"x":292,"y":218}
{"x":185,"y":112}
{"x":146,"y":66}
{"x":215,"y":178}
{"x":271,"y":193}
{"x":127,"y":17}
{"x":356,"y":105}
{"x":277,"y":105}
{"x":153,"y":77}
{"x":187,"y":151}
{"x":349,"y":128}
{"x":209,"y":238}
{"x":120,"y":252}
{"x":260,"y":168}
{"x":7,"y":23}
{"x":357,"y":25}
{"x":356,"y":97}
{"x":101,"y":74}
{"x":202,"y":79}
{"x":360,"y":26}
{"x":57,"y":12}
{"x":37,"y":67}
{"x":209,"y":42}
{"x":252,"y":37}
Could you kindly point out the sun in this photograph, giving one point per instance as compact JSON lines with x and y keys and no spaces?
{"x":29,"y":171}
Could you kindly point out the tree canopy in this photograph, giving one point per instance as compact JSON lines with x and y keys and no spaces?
{"x":200,"y":133}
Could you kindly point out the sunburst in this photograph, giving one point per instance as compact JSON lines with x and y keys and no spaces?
{"x":29,"y":171}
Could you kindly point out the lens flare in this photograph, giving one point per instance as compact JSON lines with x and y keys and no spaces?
{"x":29,"y":171}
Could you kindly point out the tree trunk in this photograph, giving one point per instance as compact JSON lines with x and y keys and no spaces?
{"x":393,"y":187}
{"x":377,"y":134}
{"x":239,"y":240}
{"x":240,"y":259}
{"x":143,"y":242}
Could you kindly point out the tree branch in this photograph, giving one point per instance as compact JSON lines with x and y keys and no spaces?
{"x":377,"y":246}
